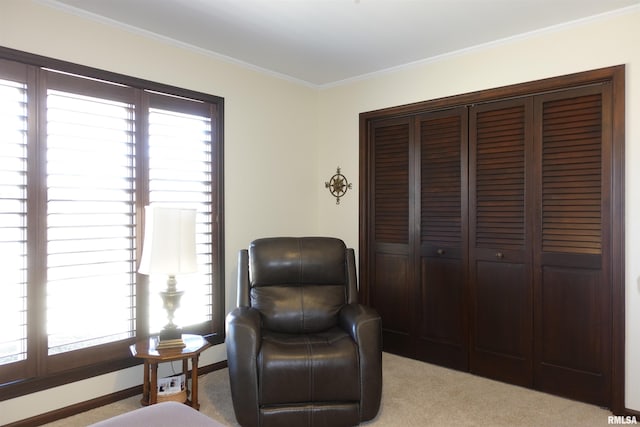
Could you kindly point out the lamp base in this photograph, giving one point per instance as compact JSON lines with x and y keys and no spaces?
{"x":171,"y":335}
{"x":170,"y":338}
{"x":170,"y":344}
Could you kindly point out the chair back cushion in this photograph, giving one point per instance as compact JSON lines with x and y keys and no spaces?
{"x":298,"y":283}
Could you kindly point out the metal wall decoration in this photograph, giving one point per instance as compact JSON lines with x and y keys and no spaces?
{"x":338,"y":185}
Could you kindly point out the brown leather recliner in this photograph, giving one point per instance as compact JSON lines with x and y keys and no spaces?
{"x":301,"y":351}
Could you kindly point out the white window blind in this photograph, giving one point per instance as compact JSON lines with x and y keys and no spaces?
{"x":180,"y":172}
{"x":90,"y":221}
{"x":13,"y":214}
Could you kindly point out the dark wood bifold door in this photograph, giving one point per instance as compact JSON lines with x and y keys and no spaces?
{"x":418,"y":184}
{"x":500,"y":236}
{"x":390,"y":237}
{"x":439,"y":306}
{"x":492,"y":233}
{"x":572,"y":298}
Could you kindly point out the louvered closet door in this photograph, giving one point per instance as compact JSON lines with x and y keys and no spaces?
{"x":391,"y":292}
{"x":442,"y":313}
{"x":572,"y":289}
{"x":500,"y":257}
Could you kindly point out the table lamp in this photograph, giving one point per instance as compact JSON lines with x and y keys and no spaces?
{"x":169,"y":248}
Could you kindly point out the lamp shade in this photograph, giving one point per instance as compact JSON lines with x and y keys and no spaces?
{"x":169,"y":241}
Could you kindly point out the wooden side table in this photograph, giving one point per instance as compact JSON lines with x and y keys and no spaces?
{"x":147,"y":351}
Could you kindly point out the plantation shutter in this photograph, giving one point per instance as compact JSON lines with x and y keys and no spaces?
{"x":90,"y":213}
{"x":13,"y":218}
{"x":180,"y":175}
{"x":75,"y":174}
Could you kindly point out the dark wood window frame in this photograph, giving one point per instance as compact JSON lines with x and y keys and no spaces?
{"x":614,"y":76}
{"x":119,"y":358}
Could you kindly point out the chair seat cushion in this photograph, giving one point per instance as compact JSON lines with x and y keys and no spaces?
{"x":307,"y":368}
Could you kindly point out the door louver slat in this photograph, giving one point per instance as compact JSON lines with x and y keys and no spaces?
{"x":571,"y":170}
{"x":440,"y":175}
{"x":392,"y":183}
{"x":500,"y":178}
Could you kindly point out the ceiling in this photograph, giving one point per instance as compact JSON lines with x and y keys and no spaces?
{"x":323,"y":42}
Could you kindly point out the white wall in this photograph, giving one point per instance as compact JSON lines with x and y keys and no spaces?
{"x":606,"y":41}
{"x":284,"y":140}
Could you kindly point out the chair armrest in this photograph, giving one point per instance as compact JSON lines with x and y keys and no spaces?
{"x":361,"y":322}
{"x":243,"y":344}
{"x":365,"y":327}
{"x":243,"y":278}
{"x":243,"y":331}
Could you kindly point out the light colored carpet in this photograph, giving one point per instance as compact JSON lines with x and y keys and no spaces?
{"x":414,"y":394}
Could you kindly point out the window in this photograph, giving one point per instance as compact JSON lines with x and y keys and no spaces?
{"x":180,"y":175}
{"x":90,"y":236}
{"x":81,"y":153}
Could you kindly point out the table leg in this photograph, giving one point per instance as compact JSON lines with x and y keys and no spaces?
{"x":194,"y":382}
{"x":154,"y":384}
{"x":145,"y":385}
{"x":185,"y":371}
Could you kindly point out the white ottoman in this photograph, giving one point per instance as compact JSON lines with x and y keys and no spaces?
{"x":165,"y":414}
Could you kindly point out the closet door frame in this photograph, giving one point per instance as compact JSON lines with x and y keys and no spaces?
{"x":615,"y":76}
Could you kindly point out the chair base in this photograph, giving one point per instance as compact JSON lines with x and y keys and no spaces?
{"x":316,"y":414}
